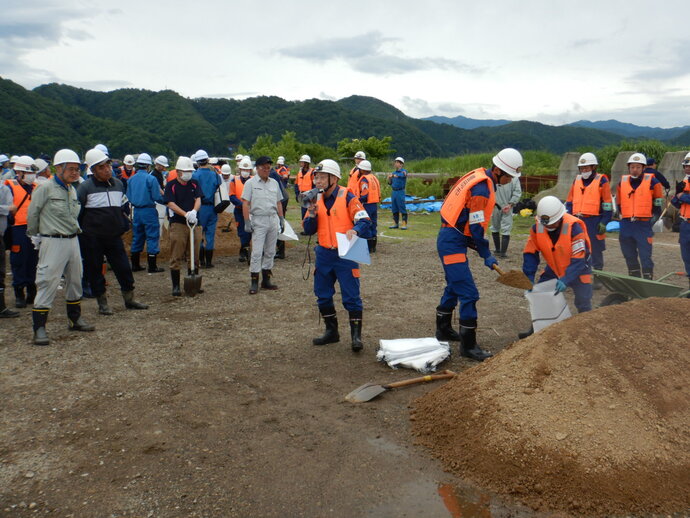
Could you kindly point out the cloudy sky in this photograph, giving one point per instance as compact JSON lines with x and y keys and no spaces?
{"x":550,"y":61}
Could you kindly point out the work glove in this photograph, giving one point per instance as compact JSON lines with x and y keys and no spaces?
{"x":560,"y":286}
{"x":601,"y":229}
{"x":36,"y":241}
{"x":248,"y":226}
{"x":191,"y":217}
{"x":282,"y":225}
{"x":680,"y":187}
{"x":490,"y":262}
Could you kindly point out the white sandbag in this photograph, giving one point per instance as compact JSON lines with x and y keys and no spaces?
{"x":546,"y":307}
{"x":421,"y":354}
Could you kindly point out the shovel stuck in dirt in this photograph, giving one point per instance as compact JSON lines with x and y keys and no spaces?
{"x":369,"y":391}
{"x":513,"y":278}
{"x":192,"y":282}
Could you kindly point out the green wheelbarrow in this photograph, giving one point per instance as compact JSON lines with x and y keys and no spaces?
{"x":624,"y":287}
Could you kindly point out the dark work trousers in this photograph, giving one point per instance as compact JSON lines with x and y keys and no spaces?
{"x":2,"y":263}
{"x":23,"y":258}
{"x":95,"y":247}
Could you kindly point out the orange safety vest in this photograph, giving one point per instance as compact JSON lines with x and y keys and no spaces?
{"x":171,"y":175}
{"x":374,"y":194}
{"x":353,"y":181}
{"x":20,"y":217}
{"x":459,"y":196}
{"x":558,"y":255}
{"x":305,"y":181}
{"x":337,"y":219}
{"x":283,"y":171}
{"x":237,"y":187}
{"x":685,"y":207}
{"x":587,"y":200}
{"x":123,"y":173}
{"x":636,"y":203}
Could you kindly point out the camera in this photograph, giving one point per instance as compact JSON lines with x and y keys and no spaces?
{"x":306,"y":198}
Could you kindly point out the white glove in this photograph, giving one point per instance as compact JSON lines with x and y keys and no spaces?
{"x":191,"y":217}
{"x":36,"y":241}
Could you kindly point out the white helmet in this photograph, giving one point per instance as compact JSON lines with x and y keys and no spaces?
{"x":66,"y":156}
{"x":686,"y":160}
{"x":238,"y":157}
{"x":587,"y":159}
{"x":550,"y":210}
{"x":144,"y":159}
{"x":365,"y":165}
{"x":213,"y":160}
{"x":399,"y":159}
{"x":226,"y":169}
{"x":94,"y":157}
{"x":103,"y":148}
{"x":637,"y":158}
{"x":162,"y":160}
{"x":509,"y":161}
{"x":328,"y":166}
{"x":281,"y":160}
{"x":129,"y":160}
{"x":200,"y":155}
{"x":25,"y":164}
{"x":184,"y":163}
{"x":305,"y":158}
{"x":41,"y":165}
{"x":245,"y":163}
{"x":14,"y":158}
{"x":360,"y":154}
{"x":4,"y":158}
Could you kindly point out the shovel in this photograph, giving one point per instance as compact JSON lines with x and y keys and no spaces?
{"x":369,"y":391}
{"x":192,"y":282}
{"x":659,"y":225}
{"x":513,"y":278}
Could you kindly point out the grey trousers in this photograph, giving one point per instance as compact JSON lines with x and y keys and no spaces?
{"x":265,"y":231}
{"x":501,"y":222}
{"x":57,"y":257}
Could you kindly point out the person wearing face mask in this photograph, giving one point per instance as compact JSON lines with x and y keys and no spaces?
{"x":236,"y":189}
{"x":639,"y":198}
{"x":305,"y":178}
{"x":336,"y":209}
{"x":23,"y":256}
{"x":681,"y":201}
{"x":103,"y":222}
{"x":226,"y":178}
{"x":465,"y":216}
{"x":42,"y":172}
{"x":562,"y":241}
{"x":183,"y":198}
{"x":590,"y":200}
{"x":209,"y":180}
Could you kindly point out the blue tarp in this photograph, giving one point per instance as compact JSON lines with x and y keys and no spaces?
{"x":613,"y":226}
{"x":423,"y":204}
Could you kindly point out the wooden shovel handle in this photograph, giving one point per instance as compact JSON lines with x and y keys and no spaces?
{"x":500,"y":272}
{"x":432,"y":377}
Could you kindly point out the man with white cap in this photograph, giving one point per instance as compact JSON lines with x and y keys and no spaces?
{"x":53,"y":227}
{"x":367,"y":188}
{"x":305,"y":178}
{"x":160,"y":165}
{"x":103,"y":222}
{"x":398,"y":181}
{"x":143,"y":192}
{"x":4,"y":167}
{"x":681,"y":201}
{"x":8,"y":169}
{"x":209,"y":181}
{"x":127,"y":170}
{"x":42,"y":171}
{"x":236,"y":189}
{"x":6,"y":201}
{"x":353,"y":179}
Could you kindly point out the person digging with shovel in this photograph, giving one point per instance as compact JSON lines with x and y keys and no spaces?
{"x":562,"y":240}
{"x":465,"y":216}
{"x":183,"y":198}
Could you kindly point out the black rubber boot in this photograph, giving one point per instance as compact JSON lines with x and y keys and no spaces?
{"x":202,"y":256}
{"x":331,"y":334}
{"x":395,"y":220}
{"x":525,"y":334}
{"x":40,"y":317}
{"x":136,"y":265}
{"x":266,"y":280}
{"x":280,"y":250}
{"x":30,"y":294}
{"x":19,"y":297}
{"x":468,"y":346}
{"x":356,"y":330}
{"x":244,"y":254}
{"x":505,"y":241}
{"x":444,"y":325}
{"x":153,"y":267}
{"x":103,"y":307}
{"x":497,"y":242}
{"x":175,"y":278}
{"x":209,"y":258}
{"x":130,"y":303}
{"x":6,"y":312}
{"x":648,"y":274}
{"x":254,"y":286}
{"x":76,"y":323}
{"x":634,"y":273}
{"x":371,"y":243}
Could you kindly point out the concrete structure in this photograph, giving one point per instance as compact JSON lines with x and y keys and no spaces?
{"x":619,"y":168}
{"x":567,"y":171}
{"x":671,"y":167}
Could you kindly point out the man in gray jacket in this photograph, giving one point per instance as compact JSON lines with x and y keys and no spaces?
{"x":502,"y":217}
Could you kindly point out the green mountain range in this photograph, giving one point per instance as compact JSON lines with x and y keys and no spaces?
{"x":130,"y":121}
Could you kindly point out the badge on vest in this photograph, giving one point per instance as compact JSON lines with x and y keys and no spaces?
{"x":578,"y":246}
{"x":476,"y":217}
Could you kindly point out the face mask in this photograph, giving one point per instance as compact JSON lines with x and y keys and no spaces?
{"x":29,"y":178}
{"x":41,"y":179}
{"x":226,"y":179}
{"x":586,"y":175}
{"x":186,"y":177}
{"x":245,"y":174}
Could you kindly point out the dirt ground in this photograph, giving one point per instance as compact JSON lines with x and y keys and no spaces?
{"x":219,"y":405}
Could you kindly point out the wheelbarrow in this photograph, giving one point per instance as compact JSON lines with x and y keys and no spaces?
{"x":624,"y":287}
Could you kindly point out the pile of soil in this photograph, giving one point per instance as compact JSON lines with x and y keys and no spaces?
{"x":591,"y":415}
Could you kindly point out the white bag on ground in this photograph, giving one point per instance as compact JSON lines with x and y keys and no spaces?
{"x":422,"y":354}
{"x":546,"y":306}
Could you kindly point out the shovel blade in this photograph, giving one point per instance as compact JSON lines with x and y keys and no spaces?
{"x":365,"y":393}
{"x":515,"y":279}
{"x":191,"y":285}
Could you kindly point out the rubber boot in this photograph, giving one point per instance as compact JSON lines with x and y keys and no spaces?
{"x":505,"y":241}
{"x":648,"y":274}
{"x":468,"y":346}
{"x":266,"y":280}
{"x":244,"y":254}
{"x":136,"y":265}
{"x":395,"y":220}
{"x":634,"y":273}
{"x":254,"y":286}
{"x":371,"y":244}
{"x":6,"y":312}
{"x":280,"y":250}
{"x":331,"y":335}
{"x":202,"y":256}
{"x":19,"y":297}
{"x":76,"y":323}
{"x":497,"y":242}
{"x":209,"y":258}
{"x":356,"y":330}
{"x":153,"y":267}
{"x":40,"y":317}
{"x":404,"y":225}
{"x":30,"y":293}
{"x":103,"y":307}
{"x":524,"y":334}
{"x":444,"y":326}
{"x":175,"y":278}
{"x":130,"y":303}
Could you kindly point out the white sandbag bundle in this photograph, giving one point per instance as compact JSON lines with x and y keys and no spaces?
{"x":421,"y":354}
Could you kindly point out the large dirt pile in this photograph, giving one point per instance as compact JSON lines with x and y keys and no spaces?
{"x":591,"y":415}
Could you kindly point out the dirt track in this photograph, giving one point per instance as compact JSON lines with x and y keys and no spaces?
{"x":220,"y":406}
